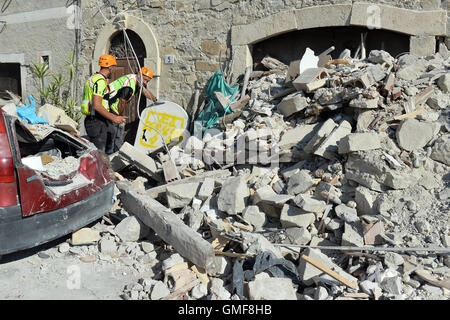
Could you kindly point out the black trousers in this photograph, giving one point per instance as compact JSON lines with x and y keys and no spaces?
{"x":101,"y":132}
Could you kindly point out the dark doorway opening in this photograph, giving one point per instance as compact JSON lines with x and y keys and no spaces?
{"x":291,"y":46}
{"x":126,"y":64}
{"x":10,"y":79}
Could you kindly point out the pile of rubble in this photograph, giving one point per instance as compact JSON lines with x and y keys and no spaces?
{"x":294,"y":192}
{"x":330,"y":182}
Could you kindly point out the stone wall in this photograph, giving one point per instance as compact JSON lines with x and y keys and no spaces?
{"x":197,"y":32}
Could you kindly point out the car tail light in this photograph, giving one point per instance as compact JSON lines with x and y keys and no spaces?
{"x":88,"y":167}
{"x":8,"y":186}
{"x":6,"y":170}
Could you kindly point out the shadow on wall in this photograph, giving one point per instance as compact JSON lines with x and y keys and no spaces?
{"x":291,"y":46}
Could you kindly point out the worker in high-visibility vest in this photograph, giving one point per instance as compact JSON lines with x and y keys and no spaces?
{"x":99,"y":122}
{"x":121,"y":92}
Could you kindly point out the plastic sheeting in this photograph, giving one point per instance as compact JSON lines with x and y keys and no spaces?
{"x":28,"y":112}
{"x":213,"y":110}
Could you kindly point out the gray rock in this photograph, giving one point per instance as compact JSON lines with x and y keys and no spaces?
{"x":233,"y":195}
{"x":392,"y":259}
{"x":293,"y":103}
{"x":365,"y":199}
{"x":392,"y":285}
{"x":223,"y":265}
{"x":272,"y":289}
{"x":299,"y":236}
{"x":199,"y":291}
{"x":299,"y":183}
{"x":159,"y":291}
{"x":359,"y":142}
{"x":107,"y":246}
{"x":444,"y":83}
{"x":413,"y":134}
{"x":346,"y":213}
{"x":131,"y":229}
{"x":147,"y":246}
{"x":254,"y":216}
{"x":334,"y":224}
{"x":353,"y":234}
{"x":328,"y":147}
{"x":369,"y":287}
{"x":380,"y":57}
{"x":255,"y":243}
{"x":325,"y":129}
{"x":310,"y":203}
{"x":218,"y":292}
{"x":64,"y":247}
{"x":300,"y":135}
{"x":294,"y":217}
{"x":362,"y":103}
{"x":206,"y":189}
{"x":441,"y":150}
{"x":181,"y":195}
{"x":432,"y":289}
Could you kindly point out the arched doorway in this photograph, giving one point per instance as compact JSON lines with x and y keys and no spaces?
{"x":127,"y":64}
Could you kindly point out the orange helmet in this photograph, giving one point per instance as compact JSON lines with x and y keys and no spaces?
{"x":107,"y":60}
{"x":147,"y":72}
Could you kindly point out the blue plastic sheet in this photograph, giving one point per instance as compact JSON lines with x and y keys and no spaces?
{"x":28,"y":112}
{"x":213,"y":110}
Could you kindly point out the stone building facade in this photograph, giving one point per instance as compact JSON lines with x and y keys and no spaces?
{"x":186,"y":41}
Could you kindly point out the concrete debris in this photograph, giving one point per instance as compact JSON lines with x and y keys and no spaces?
{"x":328,"y":152}
{"x":272,"y":289}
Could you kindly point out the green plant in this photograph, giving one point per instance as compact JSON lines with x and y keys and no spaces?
{"x":40,"y":70}
{"x":56,"y":92}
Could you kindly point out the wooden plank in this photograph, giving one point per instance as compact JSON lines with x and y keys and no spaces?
{"x":330,"y":272}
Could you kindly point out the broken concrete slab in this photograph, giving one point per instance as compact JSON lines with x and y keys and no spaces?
{"x":233,"y":195}
{"x":295,"y":217}
{"x":297,"y":235}
{"x":206,"y":189}
{"x":380,"y":57}
{"x":143,"y":162}
{"x":363,"y":103}
{"x":325,"y":129}
{"x":168,"y":226}
{"x":310,"y":203}
{"x":268,"y":196}
{"x":413,"y":134}
{"x":353,"y":234}
{"x":299,"y":183}
{"x":328,"y":147}
{"x":359,"y":142}
{"x":346,"y":213}
{"x":181,"y":195}
{"x":365,"y":199}
{"x":160,"y":191}
{"x":307,"y":77}
{"x":255,"y":217}
{"x":441,"y":150}
{"x":293,"y":103}
{"x":297,"y":136}
{"x":444,"y":83}
{"x":272,"y":289}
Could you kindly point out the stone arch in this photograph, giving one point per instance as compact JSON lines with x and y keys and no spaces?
{"x":415,"y":23}
{"x":145,"y":32}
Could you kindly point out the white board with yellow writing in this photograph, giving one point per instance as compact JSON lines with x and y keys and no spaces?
{"x":164,"y":120}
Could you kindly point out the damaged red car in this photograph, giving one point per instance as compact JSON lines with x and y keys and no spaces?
{"x":51,"y":184}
